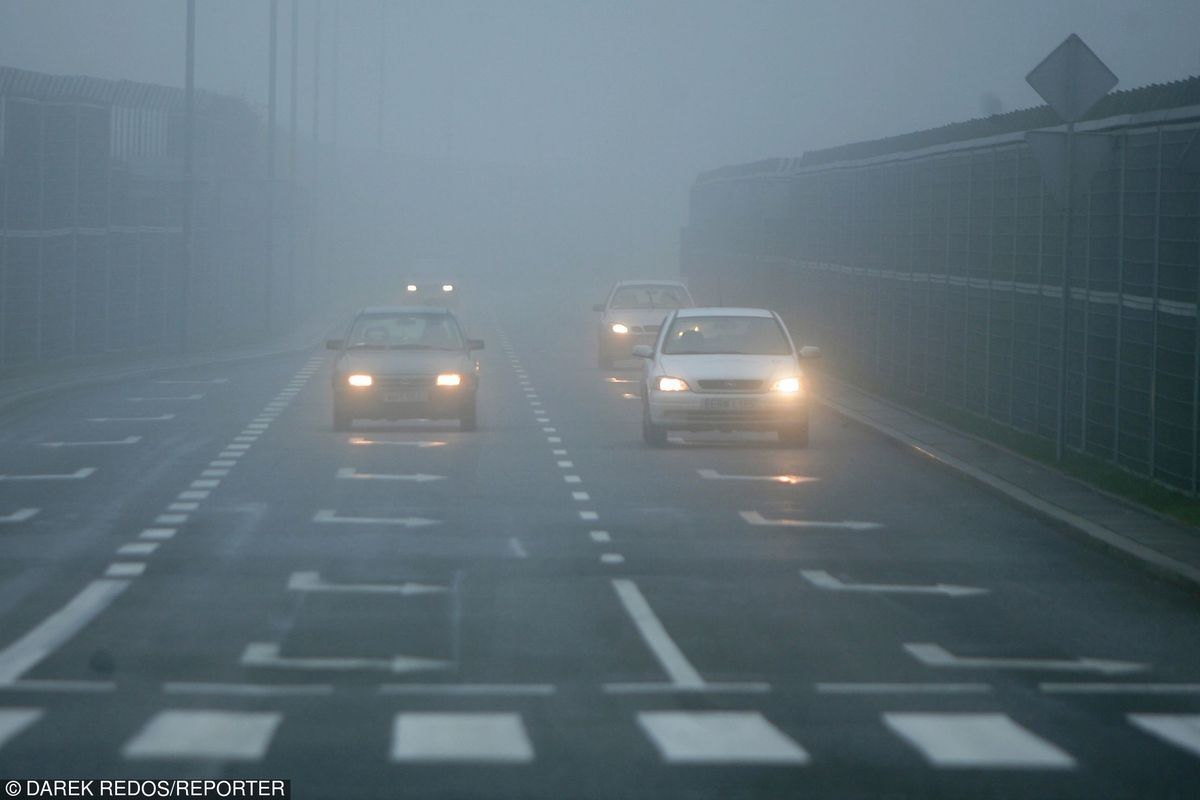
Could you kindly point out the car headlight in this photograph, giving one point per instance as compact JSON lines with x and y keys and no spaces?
{"x":447,"y":287}
{"x":668,"y":384}
{"x":786,"y":385}
{"x":449,"y":379}
{"x":412,"y":287}
{"x":619,"y":328}
{"x":360,"y":380}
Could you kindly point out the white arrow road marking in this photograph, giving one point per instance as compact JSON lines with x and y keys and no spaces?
{"x":824,"y":580}
{"x":180,"y":383}
{"x":311,"y":582}
{"x":1181,"y":730}
{"x":126,"y":440}
{"x":350,"y":473}
{"x":713,"y":475}
{"x":159,"y":418}
{"x":755,"y":518}
{"x":77,"y":475}
{"x":20,"y":515}
{"x":146,"y":399}
{"x":266,"y":654}
{"x":934,"y":655}
{"x":330,"y":516}
{"x":361,"y":441}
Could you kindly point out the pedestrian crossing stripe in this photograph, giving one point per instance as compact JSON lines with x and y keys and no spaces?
{"x":219,"y":735}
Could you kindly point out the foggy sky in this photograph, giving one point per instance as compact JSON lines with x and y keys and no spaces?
{"x":639,"y":95}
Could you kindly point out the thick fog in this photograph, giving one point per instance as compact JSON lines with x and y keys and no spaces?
{"x":565,"y":135}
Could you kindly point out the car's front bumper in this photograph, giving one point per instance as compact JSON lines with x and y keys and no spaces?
{"x":385,"y":402}
{"x":727,"y":410}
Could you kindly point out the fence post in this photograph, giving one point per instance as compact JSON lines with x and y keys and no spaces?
{"x":1041,"y":284}
{"x":1087,"y":317}
{"x":1120,"y":345}
{"x":1158,"y":172}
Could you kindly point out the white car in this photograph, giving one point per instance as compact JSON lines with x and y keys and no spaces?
{"x":724,"y":369}
{"x":633,"y":314}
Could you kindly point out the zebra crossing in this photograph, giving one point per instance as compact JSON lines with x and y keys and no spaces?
{"x":950,"y":740}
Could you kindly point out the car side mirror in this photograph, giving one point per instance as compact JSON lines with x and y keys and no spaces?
{"x":643,"y":351}
{"x":809,"y":351}
{"x":598,"y":307}
{"x":335,"y":344}
{"x":474,"y":344}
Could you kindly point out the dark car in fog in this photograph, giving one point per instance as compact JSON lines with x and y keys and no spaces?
{"x":405,"y":362}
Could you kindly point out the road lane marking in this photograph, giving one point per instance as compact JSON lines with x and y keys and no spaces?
{"x":460,"y":737}
{"x":518,"y":549}
{"x":589,"y":516}
{"x":159,"y":418}
{"x":612,"y":558}
{"x":903,"y":688}
{"x":266,"y":654}
{"x":934,"y":655}
{"x":77,"y":475}
{"x":222,"y":463}
{"x":247,"y":689}
{"x":26,"y":652}
{"x":713,"y":475}
{"x":1120,"y":688}
{"x":110,"y":443}
{"x":559,"y":452}
{"x":672,"y":660}
{"x":58,"y":686}
{"x":1181,"y":730}
{"x":124,"y":569}
{"x":137,"y":549}
{"x":208,"y":483}
{"x":214,"y":473}
{"x":15,"y":720}
{"x":249,"y":439}
{"x":554,"y":439}
{"x":600,"y":536}
{"x":549,"y":430}
{"x":565,"y":464}
{"x":965,"y":740}
{"x":543,"y":419}
{"x":331,"y":517}
{"x":192,"y":495}
{"x":311,"y":582}
{"x":181,"y":398}
{"x":755,"y":518}
{"x":181,"y":383}
{"x":350,"y":473}
{"x":157,"y":533}
{"x":358,"y":440}
{"x":231,"y":454}
{"x":580,"y":496}
{"x":470,"y":689}
{"x":217,"y":735}
{"x":170,"y":519}
{"x":242,"y":446}
{"x":824,"y":580}
{"x":719,"y":737}
{"x":20,"y":515}
{"x":572,"y":479}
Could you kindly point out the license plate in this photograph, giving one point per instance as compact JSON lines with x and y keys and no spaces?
{"x":730,"y":404}
{"x":406,"y":396}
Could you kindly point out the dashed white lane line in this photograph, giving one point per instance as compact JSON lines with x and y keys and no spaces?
{"x":612,"y":558}
{"x":137,"y":549}
{"x":967,"y":740}
{"x":207,"y":483}
{"x":580,"y":496}
{"x":589,"y":516}
{"x":221,"y":462}
{"x":460,"y":737}
{"x":20,"y":515}
{"x":125,"y":569}
{"x":518,"y":549}
{"x":232,"y":454}
{"x":554,"y":439}
{"x":26,"y":652}
{"x":193,"y":494}
{"x":15,"y":720}
{"x":214,"y":473}
{"x":170,"y":519}
{"x":224,"y":735}
{"x":189,"y":507}
{"x":159,"y":418}
{"x":77,"y":475}
{"x":600,"y":536}
{"x":110,"y":443}
{"x":330,"y":516}
{"x":565,"y":464}
{"x":179,"y":398}
{"x":1181,"y":730}
{"x":719,"y":737}
{"x":157,"y":533}
{"x":572,"y":479}
{"x":559,"y":452}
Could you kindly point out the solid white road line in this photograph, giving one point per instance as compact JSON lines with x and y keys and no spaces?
{"x":672,"y":660}
{"x":1120,"y":688}
{"x":713,"y":475}
{"x":248,"y":689}
{"x":903,"y":688}
{"x":116,"y":442}
{"x":266,"y":654}
{"x":470,"y":689}
{"x":755,"y":518}
{"x":329,"y":516}
{"x":719,"y":737}
{"x":460,"y":737}
{"x":934,"y":655}
{"x":20,"y":515}
{"x":77,"y":475}
{"x":824,"y":580}
{"x":218,"y":735}
{"x":977,"y":741}
{"x":159,"y":418}
{"x":15,"y":720}
{"x":26,"y":652}
{"x":1181,"y":730}
{"x":311,"y":582}
{"x":349,"y":473}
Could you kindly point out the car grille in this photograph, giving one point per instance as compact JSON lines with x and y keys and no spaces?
{"x":407,"y":382}
{"x":731,"y":385}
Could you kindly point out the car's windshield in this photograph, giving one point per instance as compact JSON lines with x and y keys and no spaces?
{"x":405,"y":332}
{"x":726,"y":335}
{"x":650,"y":297}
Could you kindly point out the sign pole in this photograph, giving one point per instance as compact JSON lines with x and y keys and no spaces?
{"x":1060,"y":436}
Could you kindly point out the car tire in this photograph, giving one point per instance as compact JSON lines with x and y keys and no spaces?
{"x":653,"y":435}
{"x":795,"y":435}
{"x":468,"y":419}
{"x":342,"y":421}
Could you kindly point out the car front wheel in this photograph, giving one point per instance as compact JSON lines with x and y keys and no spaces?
{"x":653,"y":435}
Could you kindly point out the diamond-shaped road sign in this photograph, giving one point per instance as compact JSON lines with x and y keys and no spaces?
{"x":1071,"y":79}
{"x":1092,"y":153}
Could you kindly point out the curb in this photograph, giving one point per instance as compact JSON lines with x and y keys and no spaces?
{"x":1155,"y":562}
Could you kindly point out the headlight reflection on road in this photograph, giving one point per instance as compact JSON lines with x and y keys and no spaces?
{"x":359,"y":440}
{"x":620,"y":380}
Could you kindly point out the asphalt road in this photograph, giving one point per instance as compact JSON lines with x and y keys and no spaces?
{"x":211,"y":582}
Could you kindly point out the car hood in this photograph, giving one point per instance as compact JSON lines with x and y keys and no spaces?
{"x":731,"y":367}
{"x":636,"y":316}
{"x":404,"y":362}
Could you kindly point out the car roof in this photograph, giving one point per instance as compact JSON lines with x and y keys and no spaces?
{"x":723,"y":311}
{"x":404,"y":310}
